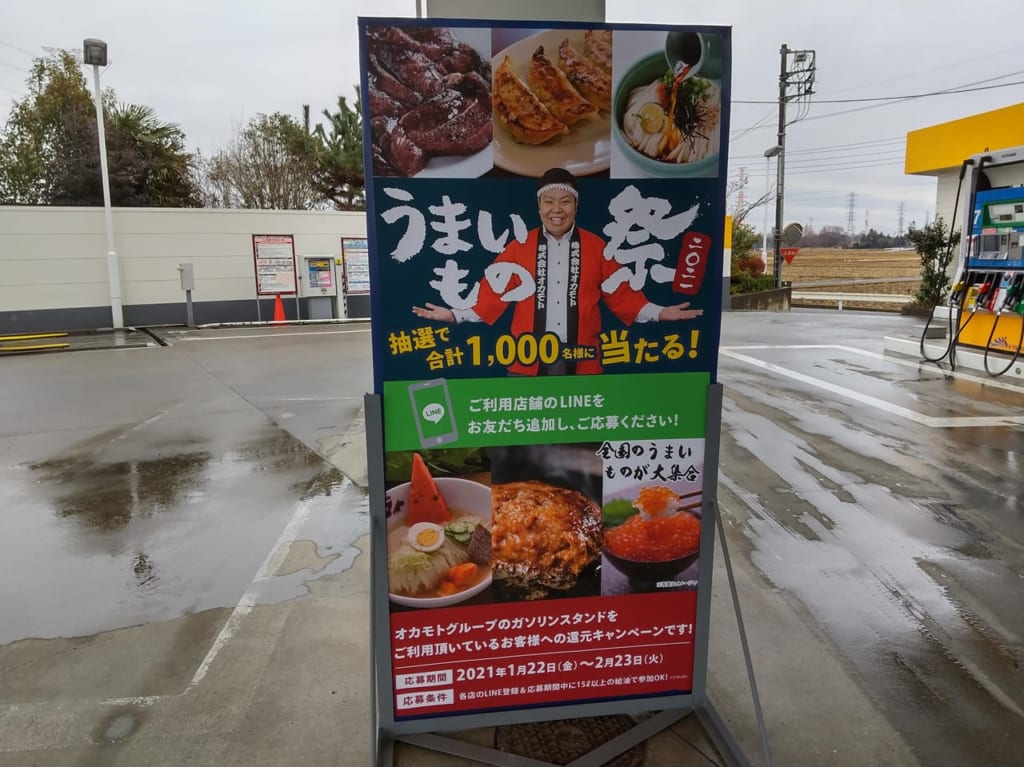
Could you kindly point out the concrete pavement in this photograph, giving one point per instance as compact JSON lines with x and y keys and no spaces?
{"x":255,"y":650}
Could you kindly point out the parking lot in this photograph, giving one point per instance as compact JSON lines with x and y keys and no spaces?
{"x":184,"y":579}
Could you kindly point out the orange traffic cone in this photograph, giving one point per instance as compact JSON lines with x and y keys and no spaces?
{"x":278,"y":309}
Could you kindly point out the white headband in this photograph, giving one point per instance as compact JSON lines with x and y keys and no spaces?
{"x":559,"y":187}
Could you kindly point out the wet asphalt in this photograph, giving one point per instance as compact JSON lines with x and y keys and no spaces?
{"x":182,"y":549}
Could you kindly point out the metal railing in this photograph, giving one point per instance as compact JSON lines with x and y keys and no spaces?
{"x":840,"y":298}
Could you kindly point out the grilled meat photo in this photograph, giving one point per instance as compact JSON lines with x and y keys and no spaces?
{"x":429,"y":96}
{"x":457,"y":121}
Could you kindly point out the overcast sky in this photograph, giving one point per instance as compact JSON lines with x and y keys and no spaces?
{"x":210,"y":65}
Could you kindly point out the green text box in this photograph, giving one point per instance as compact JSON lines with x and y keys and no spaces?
{"x":552,"y":410}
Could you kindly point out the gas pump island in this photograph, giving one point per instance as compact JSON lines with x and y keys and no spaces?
{"x":987,"y":298}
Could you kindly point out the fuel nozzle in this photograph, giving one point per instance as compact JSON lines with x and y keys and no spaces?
{"x":1014,"y":295}
{"x":954,"y":294}
{"x":981,"y":299}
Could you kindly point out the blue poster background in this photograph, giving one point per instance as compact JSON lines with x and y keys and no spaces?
{"x":419,"y":225}
{"x":407,"y":282}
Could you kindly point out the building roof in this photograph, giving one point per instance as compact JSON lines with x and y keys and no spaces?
{"x":946,"y":145}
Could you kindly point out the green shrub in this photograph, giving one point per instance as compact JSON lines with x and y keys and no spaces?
{"x":744,"y":282}
{"x":935,"y":245}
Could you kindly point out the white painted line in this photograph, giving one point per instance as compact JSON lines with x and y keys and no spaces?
{"x":888,"y":407}
{"x":779,"y":346}
{"x":141,"y":700}
{"x":277,"y":554}
{"x":315,"y":399}
{"x":147,"y":422}
{"x":246,"y":336}
{"x":248,"y":600}
{"x":995,"y":383}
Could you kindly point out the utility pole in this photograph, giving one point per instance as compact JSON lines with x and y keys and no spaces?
{"x":796,"y":81}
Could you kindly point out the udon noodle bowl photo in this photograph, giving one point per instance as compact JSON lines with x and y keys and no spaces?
{"x":674,"y":119}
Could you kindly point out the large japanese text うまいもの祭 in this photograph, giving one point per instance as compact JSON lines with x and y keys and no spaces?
{"x":636,"y":232}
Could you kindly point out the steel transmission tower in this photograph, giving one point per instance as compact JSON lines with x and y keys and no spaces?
{"x":851,"y":213}
{"x":899,"y":226}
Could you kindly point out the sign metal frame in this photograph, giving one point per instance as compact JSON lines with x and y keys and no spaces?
{"x":427,"y":731}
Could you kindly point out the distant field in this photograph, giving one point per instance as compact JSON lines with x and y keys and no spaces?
{"x":844,"y":267}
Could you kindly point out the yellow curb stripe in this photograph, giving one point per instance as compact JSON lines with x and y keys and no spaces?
{"x":32,"y":348}
{"x":32,"y":336}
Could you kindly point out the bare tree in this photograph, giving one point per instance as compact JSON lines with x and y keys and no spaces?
{"x":751,"y":205}
{"x":270,"y":164}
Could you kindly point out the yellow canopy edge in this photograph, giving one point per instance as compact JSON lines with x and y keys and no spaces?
{"x":946,"y":145}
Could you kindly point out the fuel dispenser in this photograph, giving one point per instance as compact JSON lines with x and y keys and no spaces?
{"x":318,"y":284}
{"x":987,"y":298}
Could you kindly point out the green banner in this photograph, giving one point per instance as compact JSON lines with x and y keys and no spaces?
{"x":536,"y":411}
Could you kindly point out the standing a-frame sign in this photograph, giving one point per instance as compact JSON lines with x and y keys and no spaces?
{"x":545,"y":207}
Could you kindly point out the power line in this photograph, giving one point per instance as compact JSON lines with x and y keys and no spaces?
{"x":759,"y":124}
{"x":888,"y":154}
{"x":844,"y":164}
{"x":17,"y":48}
{"x":839,"y":162}
{"x":13,"y":66}
{"x":856,"y":167}
{"x":832,"y":147}
{"x":854,"y":146}
{"x":861,"y":153}
{"x":931,"y":70}
{"x":898,"y":98}
{"x":839,"y":168}
{"x":950,"y":90}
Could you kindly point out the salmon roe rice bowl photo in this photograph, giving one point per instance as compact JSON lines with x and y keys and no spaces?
{"x":658,"y":533}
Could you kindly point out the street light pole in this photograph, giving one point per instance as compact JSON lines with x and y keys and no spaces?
{"x":95,"y":54}
{"x":764,"y":226}
{"x":768,"y":155}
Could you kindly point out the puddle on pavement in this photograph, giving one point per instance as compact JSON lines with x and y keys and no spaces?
{"x":326,"y":483}
{"x":117,"y":726}
{"x":277,"y":451}
{"x":108,"y":496}
{"x":180,"y":527}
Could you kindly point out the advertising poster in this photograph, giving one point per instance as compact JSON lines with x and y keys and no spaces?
{"x":356,"y":260}
{"x":274,"y":257}
{"x":546,"y":209}
{"x":320,"y":274}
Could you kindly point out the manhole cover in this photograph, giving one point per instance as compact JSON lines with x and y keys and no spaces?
{"x":563,"y":741}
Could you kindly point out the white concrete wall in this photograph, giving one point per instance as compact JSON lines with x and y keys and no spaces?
{"x":944,"y":197}
{"x":55,"y":257}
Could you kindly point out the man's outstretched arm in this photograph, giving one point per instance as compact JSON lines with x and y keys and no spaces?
{"x":678,"y":312}
{"x":433,"y":312}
